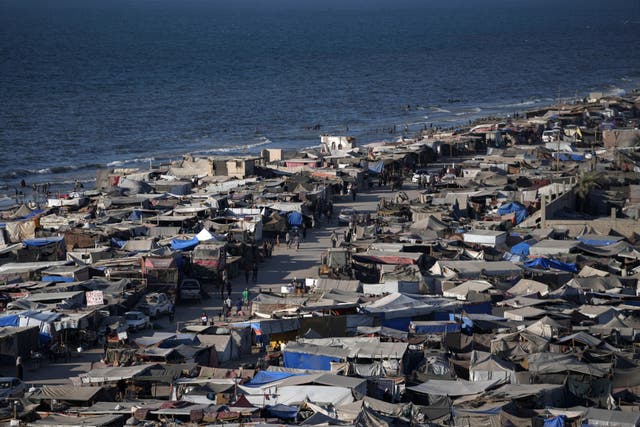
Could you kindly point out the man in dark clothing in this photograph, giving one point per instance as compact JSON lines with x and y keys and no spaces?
{"x":19,"y":369}
{"x":247,"y":272}
{"x":228,"y":288}
{"x":255,"y":272}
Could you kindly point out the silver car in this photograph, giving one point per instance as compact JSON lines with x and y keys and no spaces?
{"x":11,"y":387}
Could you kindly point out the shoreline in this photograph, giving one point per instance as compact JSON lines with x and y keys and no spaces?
{"x":62,"y":177}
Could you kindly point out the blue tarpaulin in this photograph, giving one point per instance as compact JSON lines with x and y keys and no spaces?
{"x":33,"y":213}
{"x":566,"y":157}
{"x":265,"y":377}
{"x":546,"y":263}
{"x":554,"y":421}
{"x":42,"y":241}
{"x":13,"y":320}
{"x":294,"y":219}
{"x":376,"y":167}
{"x":523,"y":248}
{"x":118,"y":243}
{"x":135,"y":216}
{"x":517,"y":208}
{"x":283,"y":411}
{"x":183,"y":245}
{"x":57,"y":279}
{"x":599,"y":240}
{"x":308,"y":361}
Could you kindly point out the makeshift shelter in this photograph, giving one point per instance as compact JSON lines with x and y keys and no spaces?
{"x":309,"y":356}
{"x":488,"y":367}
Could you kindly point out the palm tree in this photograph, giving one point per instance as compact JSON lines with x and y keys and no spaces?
{"x":587,"y":181}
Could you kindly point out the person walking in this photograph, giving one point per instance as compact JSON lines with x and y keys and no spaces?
{"x":245,"y":296}
{"x":255,"y":272}
{"x":334,"y":238}
{"x":247,"y":271}
{"x":172,"y":312}
{"x":229,"y":288}
{"x":287,"y":239}
{"x":304,"y":231}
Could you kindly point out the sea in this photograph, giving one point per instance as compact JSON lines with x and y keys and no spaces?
{"x":87,"y":84}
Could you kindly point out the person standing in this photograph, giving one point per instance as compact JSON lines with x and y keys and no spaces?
{"x":229,"y":288}
{"x":287,"y":239}
{"x":227,"y":305}
{"x":304,"y":231}
{"x":19,"y":368}
{"x":204,"y":319}
{"x":245,"y":296}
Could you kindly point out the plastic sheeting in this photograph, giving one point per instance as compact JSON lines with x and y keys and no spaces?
{"x":183,"y":245}
{"x":42,"y":241}
{"x":513,"y":207}
{"x":547,"y":263}
{"x":265,"y":377}
{"x":294,"y":219}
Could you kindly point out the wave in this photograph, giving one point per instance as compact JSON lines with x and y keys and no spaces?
{"x":53,"y":170}
{"x":263,"y":140}
{"x":439,"y":110}
{"x":130,"y":161}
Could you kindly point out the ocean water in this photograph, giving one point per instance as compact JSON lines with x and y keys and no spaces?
{"x":86,"y":84}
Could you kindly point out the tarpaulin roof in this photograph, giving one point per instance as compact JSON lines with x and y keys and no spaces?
{"x":453,"y":388}
{"x":514,"y":207}
{"x":294,"y":219}
{"x":265,"y":377}
{"x":42,"y":241}
{"x":183,"y":245}
{"x":380,"y":257}
{"x":283,"y":411}
{"x":597,"y":240}
{"x":547,"y":263}
{"x":65,"y":393}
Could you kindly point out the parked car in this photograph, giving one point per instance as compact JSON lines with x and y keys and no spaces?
{"x":190,"y":290}
{"x":11,"y":387}
{"x":137,"y":320}
{"x":155,"y":304}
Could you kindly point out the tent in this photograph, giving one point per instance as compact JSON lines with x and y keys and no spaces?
{"x":294,"y":219}
{"x":488,"y":367}
{"x":516,"y":208}
{"x":283,"y":411}
{"x":309,"y":356}
{"x":184,"y":244}
{"x":547,"y":263}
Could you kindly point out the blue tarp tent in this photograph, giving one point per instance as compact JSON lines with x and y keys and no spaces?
{"x":283,"y":411}
{"x":294,"y":219}
{"x":523,"y":248}
{"x":184,"y":245}
{"x":57,"y":279}
{"x":376,"y":168}
{"x":118,"y":243}
{"x":546,"y":263}
{"x":12,"y":320}
{"x":42,"y":241}
{"x":265,"y":377}
{"x":554,"y":421}
{"x":599,"y":240}
{"x":566,"y":157}
{"x":308,"y":356}
{"x":517,"y":208}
